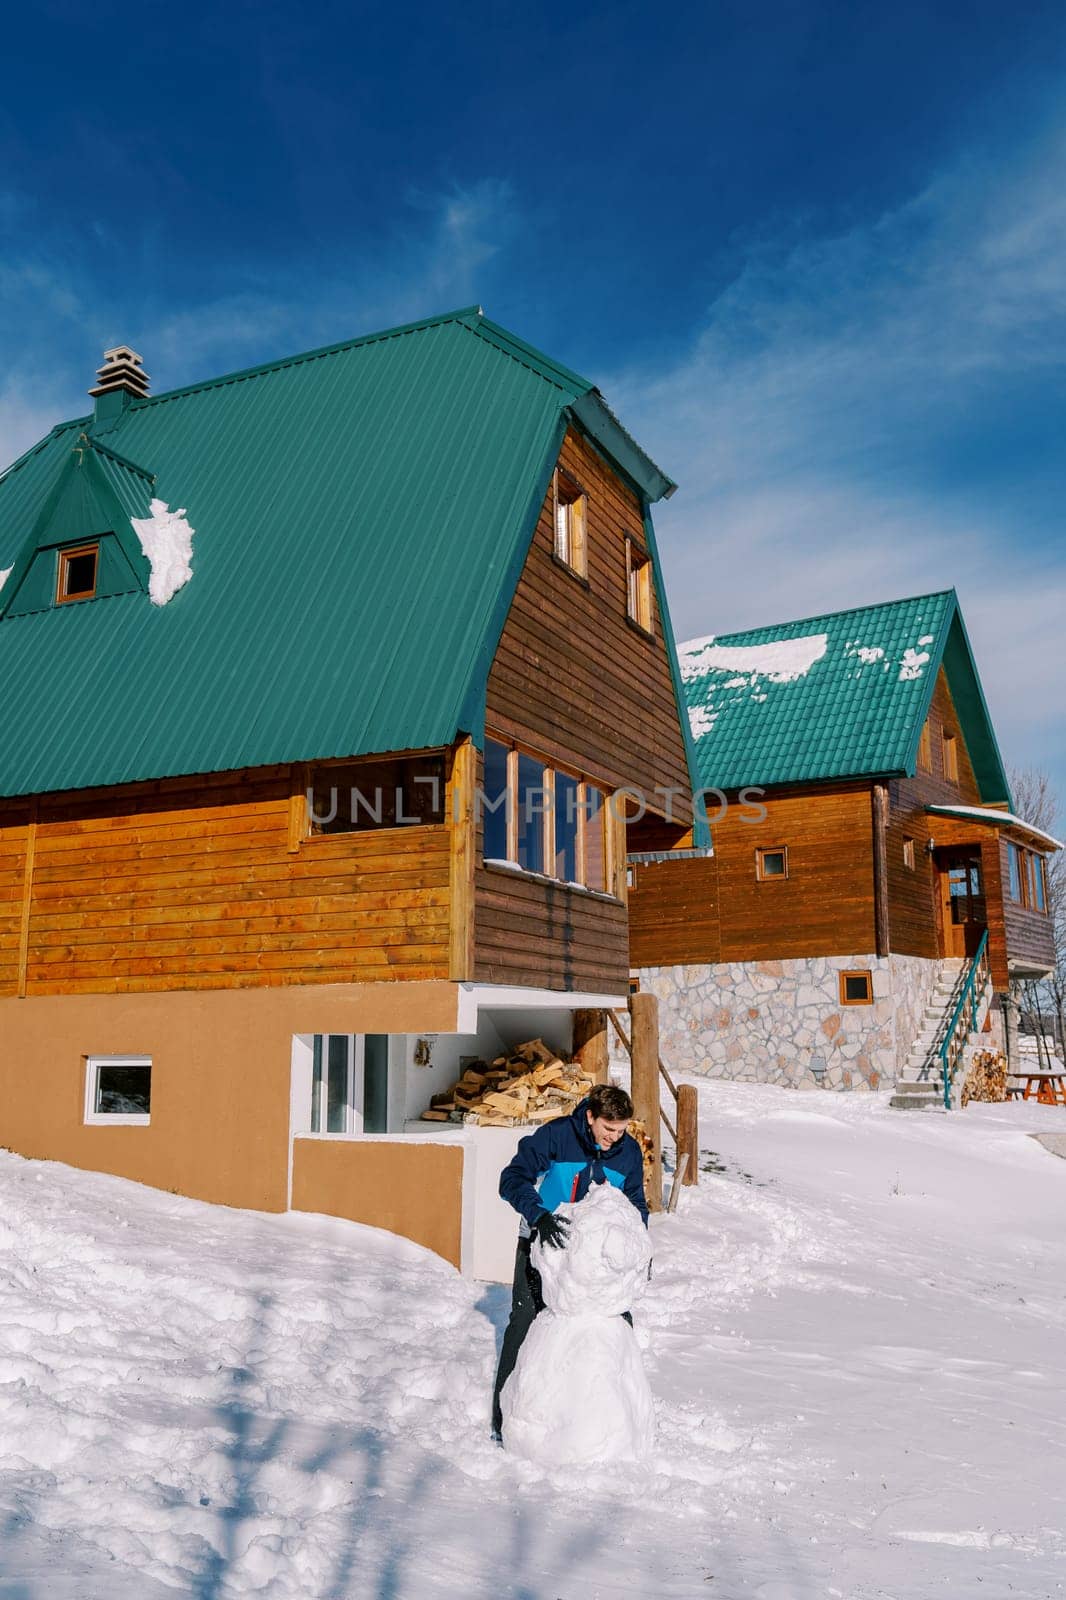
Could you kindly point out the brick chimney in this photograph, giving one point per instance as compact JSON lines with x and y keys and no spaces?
{"x":122,"y":379}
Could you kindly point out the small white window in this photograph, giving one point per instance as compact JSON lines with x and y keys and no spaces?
{"x":118,"y":1091}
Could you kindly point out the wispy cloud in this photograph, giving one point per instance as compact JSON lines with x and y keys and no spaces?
{"x":840,"y":425}
{"x":59,"y":318}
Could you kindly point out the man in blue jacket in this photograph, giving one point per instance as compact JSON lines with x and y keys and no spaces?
{"x":558,"y":1163}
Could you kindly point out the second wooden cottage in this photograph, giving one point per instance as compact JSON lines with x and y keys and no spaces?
{"x":865,"y":853}
{"x":318,"y":678}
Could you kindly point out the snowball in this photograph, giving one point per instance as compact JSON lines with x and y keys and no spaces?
{"x":604,"y":1268}
{"x":166,"y":539}
{"x":578,"y":1394}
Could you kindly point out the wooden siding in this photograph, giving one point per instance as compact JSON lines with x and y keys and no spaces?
{"x":579,"y":685}
{"x":192,"y":884}
{"x":913,"y":895}
{"x":704,"y":911}
{"x":571,"y":675}
{"x":14,"y":835}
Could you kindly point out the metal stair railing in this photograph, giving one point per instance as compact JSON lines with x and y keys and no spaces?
{"x":977,"y":977}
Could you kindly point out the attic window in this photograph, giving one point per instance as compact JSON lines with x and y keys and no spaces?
{"x":638,"y":586}
{"x":571,"y":515}
{"x":951,"y":758}
{"x":77,"y":573}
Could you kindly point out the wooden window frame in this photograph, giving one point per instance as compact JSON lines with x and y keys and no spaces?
{"x":761,"y":852}
{"x":90,"y":547}
{"x":925,"y":748}
{"x":857,"y":972}
{"x":548,"y":823}
{"x":570,"y":548}
{"x":1016,"y":859}
{"x":951,"y":755}
{"x":114,"y":1119}
{"x":639,"y":609}
{"x":908,"y":853}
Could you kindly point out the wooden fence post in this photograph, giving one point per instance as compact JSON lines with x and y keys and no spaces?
{"x":590,"y":1043}
{"x":644,"y":1036}
{"x":688,"y":1137}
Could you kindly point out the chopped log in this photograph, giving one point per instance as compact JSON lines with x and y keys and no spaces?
{"x":435,"y":1116}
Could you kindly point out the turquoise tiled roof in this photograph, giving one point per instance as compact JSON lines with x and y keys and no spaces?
{"x":842,"y":695}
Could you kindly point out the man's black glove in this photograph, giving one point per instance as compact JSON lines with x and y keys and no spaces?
{"x":552,"y":1230}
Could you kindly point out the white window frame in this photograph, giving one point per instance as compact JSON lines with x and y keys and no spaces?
{"x":354,"y":1108}
{"x":111,"y":1119}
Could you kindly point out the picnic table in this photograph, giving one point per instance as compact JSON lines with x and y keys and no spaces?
{"x":1046,"y":1085}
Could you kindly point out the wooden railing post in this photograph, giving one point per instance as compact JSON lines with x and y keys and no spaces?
{"x":644,"y":1036}
{"x":688,"y":1138}
{"x":590,"y":1043}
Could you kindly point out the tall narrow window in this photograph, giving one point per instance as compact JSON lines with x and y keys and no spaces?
{"x":908,"y":854}
{"x":594,"y":830}
{"x":493,"y":801}
{"x":565,"y":814}
{"x":1014,"y":865}
{"x":77,"y":573}
{"x":951,"y":758}
{"x":638,"y":586}
{"x":531,"y":801}
{"x":571,"y":518}
{"x":925,"y":749}
{"x":1039,"y":895}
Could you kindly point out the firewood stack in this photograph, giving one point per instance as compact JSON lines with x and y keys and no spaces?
{"x":987,"y":1078}
{"x":531,"y":1084}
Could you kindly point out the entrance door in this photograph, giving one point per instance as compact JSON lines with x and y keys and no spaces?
{"x":962,"y":899}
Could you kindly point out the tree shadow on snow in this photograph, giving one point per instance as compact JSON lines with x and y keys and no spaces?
{"x":379,"y":1549}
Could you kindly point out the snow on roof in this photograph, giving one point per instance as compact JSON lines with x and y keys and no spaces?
{"x":5,"y":573}
{"x":912,"y":664}
{"x":701,"y":720}
{"x":783,"y":661}
{"x":990,"y":814}
{"x":166,"y":539}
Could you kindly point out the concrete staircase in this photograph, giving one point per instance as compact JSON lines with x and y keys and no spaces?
{"x":919,"y":1086}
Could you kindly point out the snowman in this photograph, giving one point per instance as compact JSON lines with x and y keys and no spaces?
{"x":578,"y":1394}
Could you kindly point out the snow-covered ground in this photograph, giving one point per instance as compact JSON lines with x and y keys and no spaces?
{"x":855,"y":1333}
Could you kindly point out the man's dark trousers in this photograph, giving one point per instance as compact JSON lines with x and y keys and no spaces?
{"x":526,"y":1304}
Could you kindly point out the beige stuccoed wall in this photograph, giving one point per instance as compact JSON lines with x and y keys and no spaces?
{"x":220,"y":1077}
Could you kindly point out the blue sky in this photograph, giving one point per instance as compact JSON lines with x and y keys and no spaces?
{"x":815,"y":255}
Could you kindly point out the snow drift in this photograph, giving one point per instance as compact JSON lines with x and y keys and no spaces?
{"x":578,"y":1394}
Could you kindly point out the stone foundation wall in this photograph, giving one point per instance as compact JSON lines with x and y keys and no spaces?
{"x":913,"y":980}
{"x":782,"y":1022}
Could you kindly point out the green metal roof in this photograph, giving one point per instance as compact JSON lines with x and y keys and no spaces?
{"x":843,"y":695}
{"x":362,"y":514}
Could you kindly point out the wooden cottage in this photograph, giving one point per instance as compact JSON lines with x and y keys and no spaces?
{"x":864,"y":852}
{"x":318,"y":678}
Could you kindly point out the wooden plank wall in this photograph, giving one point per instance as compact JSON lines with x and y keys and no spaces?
{"x":575,"y":682}
{"x":571,"y":673}
{"x":912,"y":896}
{"x":191,"y":884}
{"x":705,"y":911}
{"x":14,"y":831}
